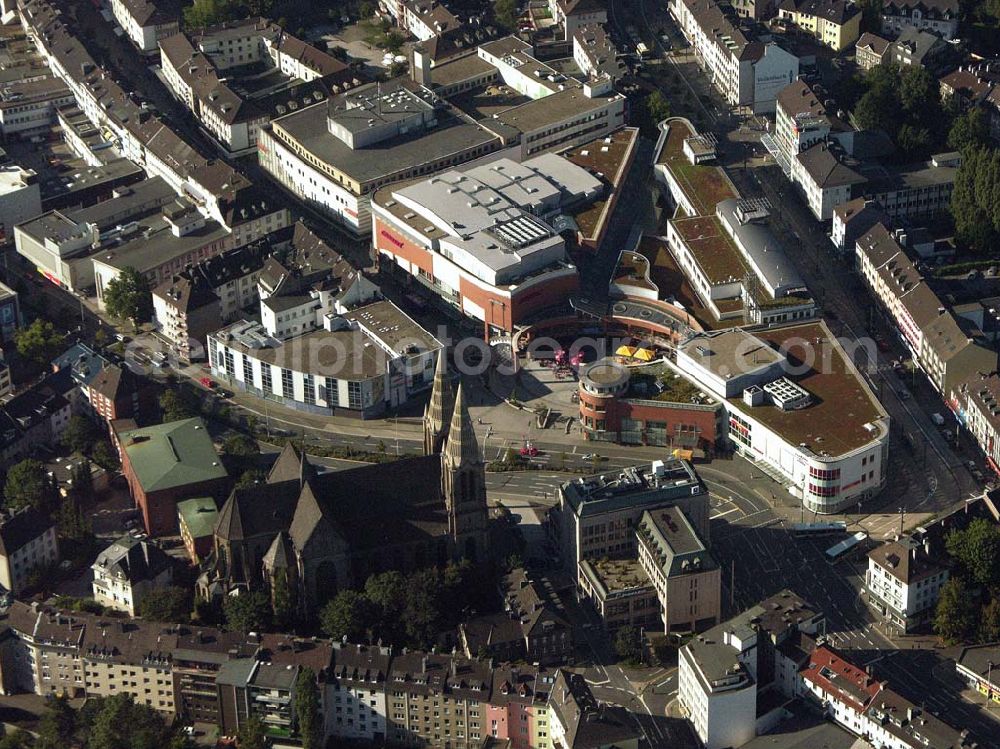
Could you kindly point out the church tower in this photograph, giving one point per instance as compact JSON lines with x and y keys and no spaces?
{"x":437,"y":415}
{"x":463,"y":484}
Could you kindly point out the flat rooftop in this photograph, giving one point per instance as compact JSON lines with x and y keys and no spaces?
{"x":556,"y":107}
{"x":606,"y":158}
{"x":704,"y":185}
{"x":844,"y":414}
{"x":155,"y":245}
{"x":308,"y":128}
{"x":620,"y":488}
{"x":713,"y":249}
{"x":342,"y":354}
{"x":394,"y":327}
{"x":619,"y":575}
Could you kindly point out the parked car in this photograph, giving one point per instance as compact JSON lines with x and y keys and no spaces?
{"x":938,"y":419}
{"x":208,"y":382}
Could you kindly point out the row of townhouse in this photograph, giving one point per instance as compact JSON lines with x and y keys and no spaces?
{"x":145,"y":22}
{"x":735,"y":679}
{"x":206,"y":73}
{"x":218,"y":191}
{"x":949,"y":349}
{"x":747,"y":72}
{"x":367,"y":693}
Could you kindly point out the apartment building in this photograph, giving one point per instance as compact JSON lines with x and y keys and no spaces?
{"x":852,"y":220}
{"x":425,"y":19}
{"x":20,"y":199}
{"x":577,"y":719}
{"x":572,"y":14}
{"x":865,"y":706}
{"x":903,"y":582}
{"x":128,"y":657}
{"x":938,"y":16}
{"x":126,"y":571}
{"x":724,"y":672}
{"x":834,"y":23}
{"x":185,"y":311}
{"x":28,"y":545}
{"x":871,"y":50}
{"x":518,"y":711}
{"x":145,"y":22}
{"x":946,"y":348}
{"x":249,"y":687}
{"x":596,"y":54}
{"x":747,"y":72}
{"x":355,"y":695}
{"x":826,"y":179}
{"x":437,"y":700}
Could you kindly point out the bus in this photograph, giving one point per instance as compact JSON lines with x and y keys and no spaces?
{"x":819,"y":530}
{"x":838,"y":550}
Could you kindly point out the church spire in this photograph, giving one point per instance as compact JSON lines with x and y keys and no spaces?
{"x":438,"y":412}
{"x":462,"y":447}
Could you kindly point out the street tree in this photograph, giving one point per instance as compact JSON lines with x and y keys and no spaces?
{"x":127,"y":297}
{"x":977,"y":549}
{"x":252,"y":734}
{"x":955,"y":616}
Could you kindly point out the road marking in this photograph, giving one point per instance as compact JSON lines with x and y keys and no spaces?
{"x":723,"y":514}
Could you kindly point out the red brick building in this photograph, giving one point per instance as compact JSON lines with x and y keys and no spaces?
{"x":167,"y":463}
{"x":619,"y":405}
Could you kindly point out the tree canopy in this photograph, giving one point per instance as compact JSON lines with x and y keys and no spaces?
{"x":975,"y":200}
{"x":39,"y":342}
{"x":307,"y":710}
{"x":178,"y":403}
{"x":167,"y":604}
{"x":127,"y":296}
{"x":28,"y":485}
{"x":955,"y":616}
{"x":247,"y":612}
{"x":80,"y":434}
{"x":977,"y":550}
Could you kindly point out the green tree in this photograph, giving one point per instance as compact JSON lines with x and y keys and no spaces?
{"x":878,"y":109}
{"x":80,"y":434}
{"x":247,"y":612}
{"x":178,"y":403}
{"x":505,"y":14}
{"x":119,"y":723}
{"x":975,"y":200}
{"x":969,"y":129}
{"x":168,"y":604}
{"x":423,"y":607}
{"x":241,"y":446}
{"x":19,"y":739}
{"x":39,"y":342}
{"x":626,"y":644}
{"x":71,"y":522}
{"x":127,"y":297}
{"x":28,"y":484}
{"x":82,"y":481}
{"x":918,"y":91}
{"x":204,"y":13}
{"x":105,"y":456}
{"x":386,"y":593}
{"x":913,"y":141}
{"x":283,"y":602}
{"x":252,"y":734}
{"x":250,"y":477}
{"x":977,"y":549}
{"x":347,"y":614}
{"x":57,"y":727}
{"x":307,"y":711}
{"x":989,"y":621}
{"x":658,"y":106}
{"x":955,"y":616}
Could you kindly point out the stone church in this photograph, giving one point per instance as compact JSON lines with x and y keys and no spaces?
{"x":327,"y":532}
